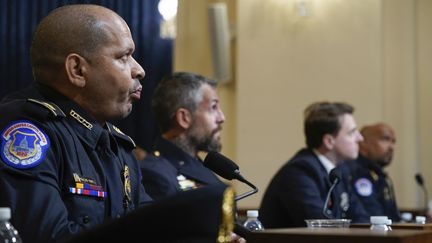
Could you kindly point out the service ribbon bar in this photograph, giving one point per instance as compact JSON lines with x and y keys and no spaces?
{"x":87,"y":192}
{"x":88,"y":186}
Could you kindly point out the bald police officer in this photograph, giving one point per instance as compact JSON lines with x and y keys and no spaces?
{"x":371,"y":183}
{"x":63,"y":166}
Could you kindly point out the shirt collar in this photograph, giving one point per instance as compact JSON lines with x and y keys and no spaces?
{"x":328,"y":165}
{"x":83,"y":123}
{"x":173,"y":153}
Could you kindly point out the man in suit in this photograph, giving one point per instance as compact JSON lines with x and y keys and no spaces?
{"x":187,"y":110}
{"x":299,"y":189}
{"x":371,"y":183}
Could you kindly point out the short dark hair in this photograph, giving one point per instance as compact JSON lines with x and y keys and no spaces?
{"x":322,"y":118}
{"x":67,"y":29}
{"x":178,"y":90}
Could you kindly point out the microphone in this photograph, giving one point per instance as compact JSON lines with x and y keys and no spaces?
{"x":227,"y":169}
{"x":420,"y":182}
{"x":334,"y":178}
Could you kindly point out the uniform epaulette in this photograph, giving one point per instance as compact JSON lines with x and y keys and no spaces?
{"x":54,"y":109}
{"x":116,"y":131}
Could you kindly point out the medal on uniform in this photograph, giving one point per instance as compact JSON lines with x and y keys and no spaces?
{"x":127,"y":184}
{"x":87,"y":187}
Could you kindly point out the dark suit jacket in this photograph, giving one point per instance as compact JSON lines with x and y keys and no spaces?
{"x":298,"y":192}
{"x":162,"y":168}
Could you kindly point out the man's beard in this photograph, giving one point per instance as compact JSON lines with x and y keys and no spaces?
{"x":208,"y":143}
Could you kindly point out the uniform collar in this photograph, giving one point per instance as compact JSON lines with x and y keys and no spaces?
{"x":187,"y":165}
{"x":83,"y":123}
{"x":173,"y":153}
{"x":370,"y":164}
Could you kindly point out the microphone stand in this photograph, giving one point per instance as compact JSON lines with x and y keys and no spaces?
{"x":426,"y":199}
{"x":420,"y":182}
{"x":328,"y":198}
{"x":246,"y":194}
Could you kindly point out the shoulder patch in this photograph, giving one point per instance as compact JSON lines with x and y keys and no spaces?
{"x":55,"y":110}
{"x":363,"y":187}
{"x":23,"y":145}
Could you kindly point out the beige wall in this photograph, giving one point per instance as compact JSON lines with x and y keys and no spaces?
{"x":373,"y":54}
{"x":193,"y":53}
{"x":424,"y":87}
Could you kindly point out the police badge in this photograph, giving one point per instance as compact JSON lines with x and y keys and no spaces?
{"x":127,"y":184}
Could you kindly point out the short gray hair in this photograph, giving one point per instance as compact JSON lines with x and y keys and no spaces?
{"x":178,"y":90}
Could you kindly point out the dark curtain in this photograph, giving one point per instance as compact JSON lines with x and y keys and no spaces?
{"x":18,"y":20}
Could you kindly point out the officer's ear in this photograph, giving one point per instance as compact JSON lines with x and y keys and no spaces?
{"x":329,"y":141}
{"x":184,"y":118}
{"x":76,"y":66}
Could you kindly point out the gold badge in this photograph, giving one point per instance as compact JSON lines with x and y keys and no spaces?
{"x":127,"y":183}
{"x":374,"y":175}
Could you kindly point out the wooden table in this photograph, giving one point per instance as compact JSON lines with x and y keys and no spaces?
{"x":340,"y":235}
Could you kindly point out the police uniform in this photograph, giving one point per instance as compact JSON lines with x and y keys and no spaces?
{"x":374,"y":188}
{"x":61,"y":171}
{"x":298,"y":191}
{"x":169,"y":170}
{"x":204,"y":215}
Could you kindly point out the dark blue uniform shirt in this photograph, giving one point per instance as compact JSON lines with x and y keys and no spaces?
{"x":169,"y":170}
{"x":298,"y":191}
{"x":374,"y":188}
{"x":60,"y":171}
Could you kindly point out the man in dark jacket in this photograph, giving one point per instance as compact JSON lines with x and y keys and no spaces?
{"x":299,"y":189}
{"x":188,"y":112}
{"x":371,"y":183}
{"x":63,"y":167}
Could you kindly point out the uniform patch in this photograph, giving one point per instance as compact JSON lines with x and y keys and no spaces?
{"x":363,"y":187}
{"x":23,"y":145}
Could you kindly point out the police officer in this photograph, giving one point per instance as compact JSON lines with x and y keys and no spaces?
{"x":299,"y":189}
{"x":188,"y":113}
{"x":63,"y":166}
{"x":371,"y":183}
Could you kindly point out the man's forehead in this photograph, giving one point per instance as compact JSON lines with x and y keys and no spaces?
{"x":385,"y":131}
{"x":347,"y":121}
{"x":377,"y":130}
{"x":209,"y":93}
